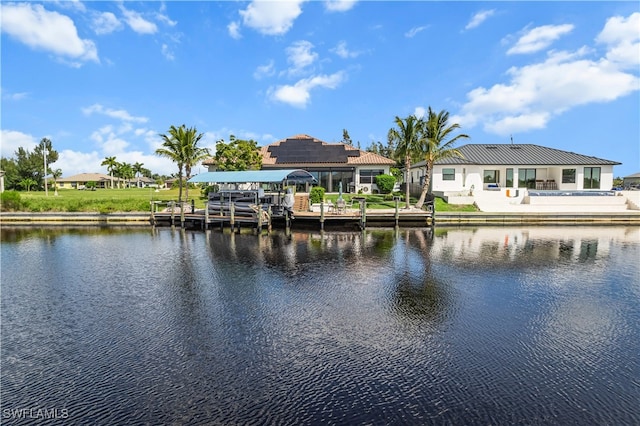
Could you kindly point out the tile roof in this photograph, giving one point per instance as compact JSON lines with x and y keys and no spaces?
{"x":316,"y":153}
{"x":521,"y":154}
{"x":87,"y":177}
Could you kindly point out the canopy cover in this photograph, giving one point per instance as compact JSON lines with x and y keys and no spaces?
{"x":251,"y":176}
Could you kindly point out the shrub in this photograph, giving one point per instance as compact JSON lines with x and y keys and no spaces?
{"x":205,"y":190}
{"x":90,"y":185}
{"x":10,"y":201}
{"x":316,"y":195}
{"x":385,"y":183}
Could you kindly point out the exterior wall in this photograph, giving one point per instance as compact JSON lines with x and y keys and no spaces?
{"x":473,"y":175}
{"x":368,"y":188}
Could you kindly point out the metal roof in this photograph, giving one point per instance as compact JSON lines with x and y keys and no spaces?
{"x":521,"y":154}
{"x":251,"y":176}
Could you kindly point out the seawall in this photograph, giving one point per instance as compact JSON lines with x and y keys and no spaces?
{"x":441,"y":219}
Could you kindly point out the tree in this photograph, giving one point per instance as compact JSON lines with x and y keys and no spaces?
{"x":111,"y":164}
{"x":192,"y":152}
{"x":138,"y":170}
{"x":437,"y":144}
{"x":346,"y":139}
{"x":27,"y":183}
{"x":30,"y":165}
{"x":125,"y":172}
{"x":407,"y":140}
{"x":10,"y":169}
{"x":56,"y":174}
{"x":238,"y":154}
{"x":180,"y":145}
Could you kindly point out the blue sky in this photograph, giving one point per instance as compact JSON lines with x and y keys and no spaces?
{"x":105,"y":78}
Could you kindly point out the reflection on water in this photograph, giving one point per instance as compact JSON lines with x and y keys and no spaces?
{"x":534,"y":325}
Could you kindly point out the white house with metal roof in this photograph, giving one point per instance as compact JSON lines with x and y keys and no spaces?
{"x":523,"y":177}
{"x":491,"y":167}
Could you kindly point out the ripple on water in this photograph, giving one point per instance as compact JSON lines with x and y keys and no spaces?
{"x":363,"y":328}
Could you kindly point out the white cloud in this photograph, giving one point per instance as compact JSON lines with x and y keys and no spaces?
{"x":14,"y":96}
{"x":106,"y":23}
{"x":339,"y":5}
{"x":74,"y":162}
{"x":266,"y":70}
{"x":342,"y":51}
{"x":300,"y":55}
{"x":419,"y":112}
{"x":623,"y":40}
{"x":414,"y":31}
{"x":298,"y":95}
{"x":11,"y":140}
{"x":167,"y":52}
{"x":234,"y":30}
{"x":479,"y":18}
{"x":113,"y":113}
{"x":137,"y":23}
{"x":538,"y":92}
{"x":539,"y":38}
{"x":271,"y":17}
{"x":39,"y":28}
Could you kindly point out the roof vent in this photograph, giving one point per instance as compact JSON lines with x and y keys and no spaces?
{"x":491,"y":147}
{"x":514,"y":147}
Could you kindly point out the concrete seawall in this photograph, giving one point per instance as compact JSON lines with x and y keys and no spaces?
{"x":441,"y":219}
{"x":74,"y":218}
{"x":537,"y":218}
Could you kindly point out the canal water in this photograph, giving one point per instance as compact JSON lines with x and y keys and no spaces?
{"x":532,"y":325}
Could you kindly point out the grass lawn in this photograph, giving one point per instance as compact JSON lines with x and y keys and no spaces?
{"x":378,"y":202}
{"x":101,"y":200}
{"x":138,"y":200}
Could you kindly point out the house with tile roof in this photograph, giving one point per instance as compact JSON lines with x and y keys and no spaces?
{"x":79,"y":181}
{"x":330,"y":163}
{"x":491,"y":167}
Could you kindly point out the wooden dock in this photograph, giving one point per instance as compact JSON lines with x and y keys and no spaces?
{"x":360,"y":219}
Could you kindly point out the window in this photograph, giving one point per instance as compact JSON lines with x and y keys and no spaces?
{"x":369,"y":176}
{"x":592,"y":178}
{"x":448,"y":174}
{"x":527,"y":178}
{"x":509,"y":182}
{"x":491,"y":176}
{"x":568,"y":175}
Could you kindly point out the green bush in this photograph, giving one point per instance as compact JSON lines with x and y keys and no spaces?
{"x":205,"y":190}
{"x":316,"y":195}
{"x":10,"y":201}
{"x":385,"y":183}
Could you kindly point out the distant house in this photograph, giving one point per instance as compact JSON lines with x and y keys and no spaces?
{"x":491,"y":167}
{"x":631,"y":181}
{"x":330,"y":163}
{"x":79,"y":181}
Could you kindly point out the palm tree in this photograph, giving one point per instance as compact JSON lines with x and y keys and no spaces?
{"x":125,"y":172}
{"x":438,"y":141}
{"x":407,"y":138}
{"x":111,"y":164}
{"x":27,"y":183}
{"x":137,"y":169}
{"x":172,"y":150}
{"x":192,"y":153}
{"x":56,"y":174}
{"x":180,"y":145}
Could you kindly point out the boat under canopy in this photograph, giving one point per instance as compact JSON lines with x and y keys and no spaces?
{"x":256,"y":176}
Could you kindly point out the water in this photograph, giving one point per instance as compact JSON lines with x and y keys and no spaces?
{"x":537,"y":325}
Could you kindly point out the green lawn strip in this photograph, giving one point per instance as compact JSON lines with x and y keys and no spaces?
{"x":138,"y":200}
{"x":101,"y":200}
{"x":375,"y":201}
